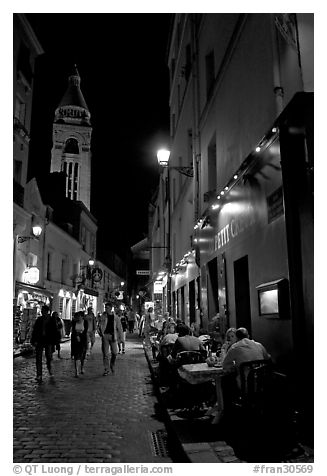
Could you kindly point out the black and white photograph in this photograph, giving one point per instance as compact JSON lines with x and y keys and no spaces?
{"x":163,"y":240}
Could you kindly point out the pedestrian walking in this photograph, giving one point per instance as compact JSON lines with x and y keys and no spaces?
{"x":110,"y":330}
{"x":122,"y":340}
{"x":79,"y":341}
{"x":131,"y":320}
{"x":148,"y":322}
{"x":60,"y":332}
{"x":91,"y":328}
{"x":44,"y":336}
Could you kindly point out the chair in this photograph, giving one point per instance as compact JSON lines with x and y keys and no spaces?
{"x":256,"y":378}
{"x":166,"y":370}
{"x":262,"y":413}
{"x":191,"y":399}
{"x":256,"y":384}
{"x":189,"y":357}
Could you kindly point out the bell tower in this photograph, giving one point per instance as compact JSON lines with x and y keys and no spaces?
{"x":71,"y":136}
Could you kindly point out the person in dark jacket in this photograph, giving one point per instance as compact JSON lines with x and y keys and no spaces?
{"x":124,"y":325}
{"x":79,"y":340}
{"x":44,"y":336}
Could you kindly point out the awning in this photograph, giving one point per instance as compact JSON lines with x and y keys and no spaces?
{"x":30,"y":288}
{"x":90,"y":291}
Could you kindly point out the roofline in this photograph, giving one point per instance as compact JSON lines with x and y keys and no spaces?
{"x":30,"y":32}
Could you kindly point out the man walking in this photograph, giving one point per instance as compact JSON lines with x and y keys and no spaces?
{"x":110,"y":330}
{"x":91,"y":328}
{"x":131,"y":320}
{"x":44,"y":336}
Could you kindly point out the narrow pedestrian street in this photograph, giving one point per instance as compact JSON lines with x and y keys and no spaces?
{"x":91,"y":418}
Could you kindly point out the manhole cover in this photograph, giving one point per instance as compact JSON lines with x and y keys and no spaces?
{"x":159,"y":443}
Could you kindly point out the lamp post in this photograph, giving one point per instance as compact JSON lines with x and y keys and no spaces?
{"x":163,"y":160}
{"x":163,"y":156}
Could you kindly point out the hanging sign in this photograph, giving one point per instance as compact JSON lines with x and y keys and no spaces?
{"x":143,"y":272}
{"x":97,"y":275}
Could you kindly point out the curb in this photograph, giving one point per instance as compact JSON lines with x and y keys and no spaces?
{"x":194,"y":452}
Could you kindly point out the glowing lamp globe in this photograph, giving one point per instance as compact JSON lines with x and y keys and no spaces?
{"x":163,"y":157}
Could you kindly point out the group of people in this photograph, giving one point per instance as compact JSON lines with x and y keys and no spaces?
{"x":177,"y":337}
{"x":111,"y":326}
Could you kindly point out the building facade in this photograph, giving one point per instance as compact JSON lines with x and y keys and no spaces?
{"x":55,"y":234}
{"x":241,"y":226}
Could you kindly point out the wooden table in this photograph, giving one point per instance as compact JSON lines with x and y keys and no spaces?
{"x":200,"y":373}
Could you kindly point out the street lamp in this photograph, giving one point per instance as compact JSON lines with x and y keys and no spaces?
{"x":36,"y":230}
{"x":163,"y":156}
{"x":163,"y":160}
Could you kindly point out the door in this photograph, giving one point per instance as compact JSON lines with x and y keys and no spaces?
{"x":242,"y":293}
{"x":212,"y":288}
{"x":191,"y":294}
{"x":222,"y":293}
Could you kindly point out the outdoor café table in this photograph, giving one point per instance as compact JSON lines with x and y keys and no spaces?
{"x":200,"y":373}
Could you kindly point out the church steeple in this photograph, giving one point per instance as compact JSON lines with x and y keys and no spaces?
{"x":73,"y":105}
{"x":71,"y":152}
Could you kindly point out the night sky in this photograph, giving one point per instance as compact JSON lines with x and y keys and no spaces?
{"x":122,"y":61}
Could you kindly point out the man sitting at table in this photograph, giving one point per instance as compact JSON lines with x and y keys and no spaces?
{"x":243,"y":350}
{"x":186,"y":341}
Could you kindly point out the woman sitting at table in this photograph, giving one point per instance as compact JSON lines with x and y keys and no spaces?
{"x":230,"y":339}
{"x":165,"y":345}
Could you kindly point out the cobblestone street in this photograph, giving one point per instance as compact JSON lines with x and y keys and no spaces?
{"x":91,"y":418}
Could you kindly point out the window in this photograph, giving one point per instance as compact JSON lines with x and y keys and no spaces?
{"x":273,"y":299}
{"x":48,"y":272}
{"x":83,"y":237}
{"x":17,"y":171}
{"x":61,"y":306}
{"x":72,"y":178}
{"x":210,"y":72}
{"x":188,"y":63}
{"x":63,"y":270}
{"x":75,"y":190}
{"x":71,"y":146}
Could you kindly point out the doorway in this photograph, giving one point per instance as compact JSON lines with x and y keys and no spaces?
{"x":212,"y":287}
{"x":191,"y":294}
{"x":242,"y":293}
